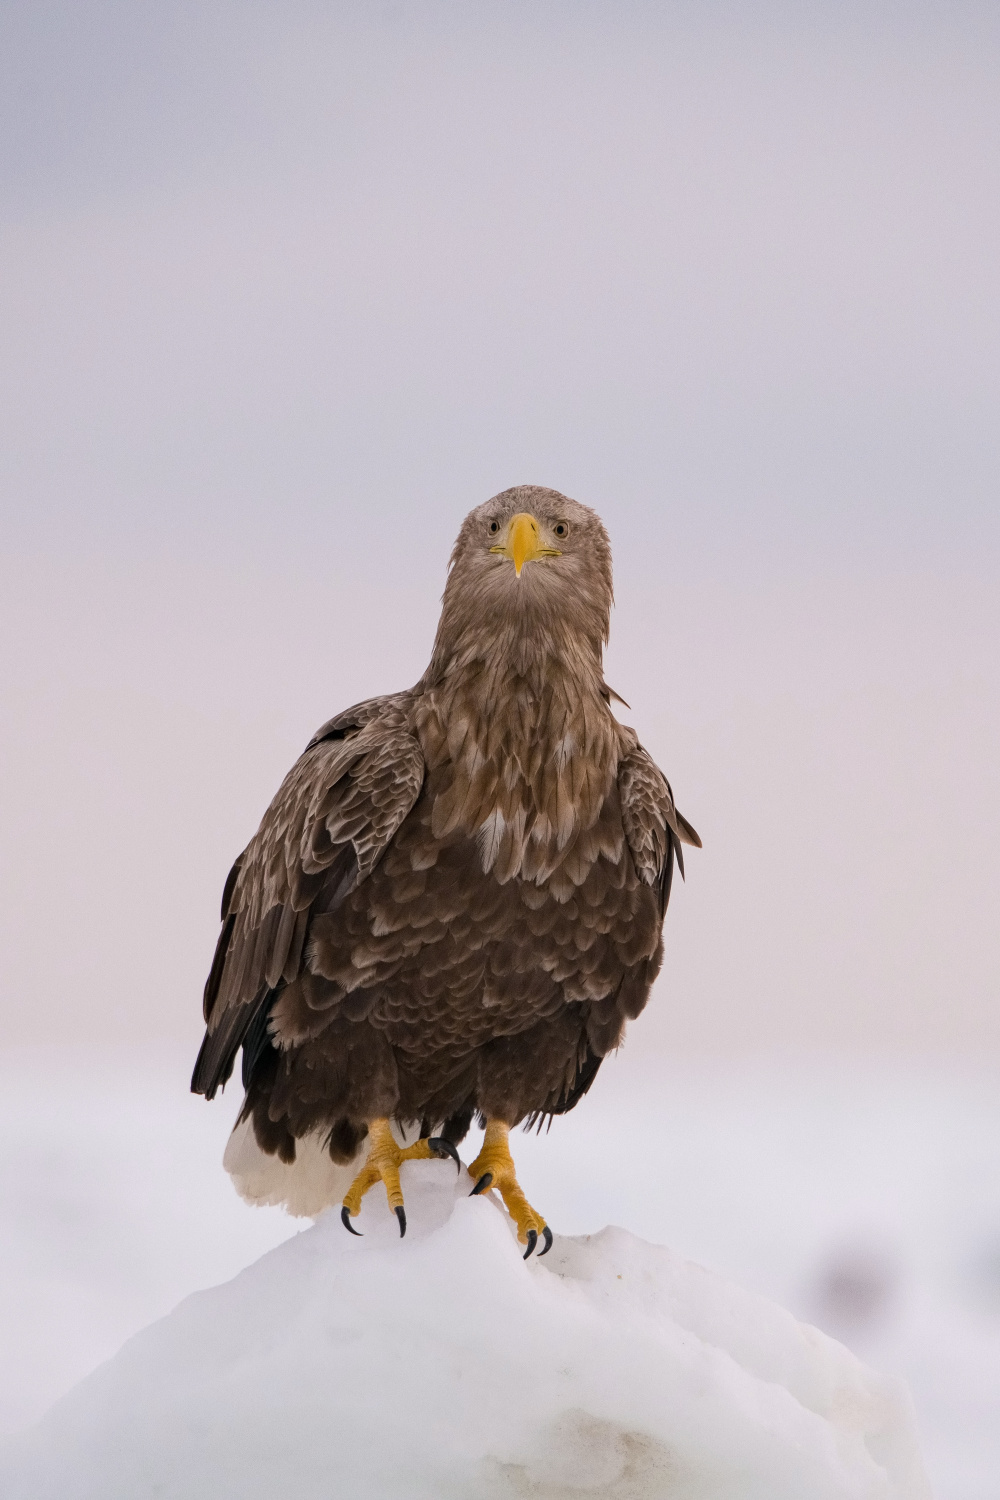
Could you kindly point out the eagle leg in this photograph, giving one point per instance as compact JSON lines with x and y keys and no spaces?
{"x":384,"y":1160}
{"x":494,"y":1168}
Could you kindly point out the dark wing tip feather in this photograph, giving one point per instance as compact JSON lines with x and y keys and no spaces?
{"x":230,"y":885}
{"x":244,"y":1027}
{"x":210,"y":1072}
{"x":685,"y":830}
{"x":667,"y":873}
{"x":584,"y":1078}
{"x":257,"y":1037}
{"x":214,"y":979}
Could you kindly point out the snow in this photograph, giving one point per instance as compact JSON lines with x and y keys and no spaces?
{"x":865,"y":1197}
{"x":444,"y":1365}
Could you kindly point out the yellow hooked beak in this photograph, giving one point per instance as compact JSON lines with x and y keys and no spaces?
{"x":524,"y":543}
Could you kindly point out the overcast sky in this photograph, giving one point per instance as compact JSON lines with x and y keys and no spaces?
{"x":285,"y":290}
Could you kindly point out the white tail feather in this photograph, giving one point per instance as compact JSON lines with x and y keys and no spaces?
{"x":304,"y":1187}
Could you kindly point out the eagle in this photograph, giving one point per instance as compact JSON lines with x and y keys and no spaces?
{"x":454,"y":904}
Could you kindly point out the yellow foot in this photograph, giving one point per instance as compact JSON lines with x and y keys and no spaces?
{"x":383,"y":1164}
{"x":494,"y":1168}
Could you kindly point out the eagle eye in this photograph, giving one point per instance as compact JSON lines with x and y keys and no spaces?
{"x":493,"y":528}
{"x":561,"y":529}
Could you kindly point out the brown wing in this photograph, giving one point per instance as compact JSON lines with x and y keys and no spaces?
{"x":654,"y":829}
{"x":333,"y":817}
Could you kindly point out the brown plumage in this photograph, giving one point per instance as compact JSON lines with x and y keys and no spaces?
{"x":454,"y":903}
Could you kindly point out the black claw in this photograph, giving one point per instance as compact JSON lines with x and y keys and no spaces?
{"x":345,"y":1219}
{"x":401,"y":1216}
{"x":482,"y":1184}
{"x":547,"y":1237}
{"x":532,"y":1242}
{"x":441,"y":1147}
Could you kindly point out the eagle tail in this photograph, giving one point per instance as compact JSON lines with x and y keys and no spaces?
{"x":303,"y":1187}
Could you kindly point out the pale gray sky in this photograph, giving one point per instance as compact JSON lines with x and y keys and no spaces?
{"x":285,"y":290}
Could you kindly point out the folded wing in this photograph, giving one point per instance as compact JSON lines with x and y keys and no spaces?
{"x":654,"y":829}
{"x":331,"y":821}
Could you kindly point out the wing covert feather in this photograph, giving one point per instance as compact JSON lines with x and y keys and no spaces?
{"x":328,"y":825}
{"x":654,"y":829}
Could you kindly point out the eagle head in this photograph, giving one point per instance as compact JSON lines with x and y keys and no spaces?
{"x":530,"y":572}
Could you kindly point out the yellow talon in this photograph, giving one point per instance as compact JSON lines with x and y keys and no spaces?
{"x":384,"y":1160}
{"x":494,"y":1168}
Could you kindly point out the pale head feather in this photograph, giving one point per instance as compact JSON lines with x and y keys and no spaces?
{"x":558,"y":610}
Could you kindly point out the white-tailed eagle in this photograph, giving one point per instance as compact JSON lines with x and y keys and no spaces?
{"x":454,"y":904}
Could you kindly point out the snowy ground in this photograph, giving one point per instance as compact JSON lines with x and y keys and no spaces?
{"x":446,"y":1367}
{"x":867,"y":1200}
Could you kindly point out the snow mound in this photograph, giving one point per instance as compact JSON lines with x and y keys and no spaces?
{"x":444,"y":1367}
